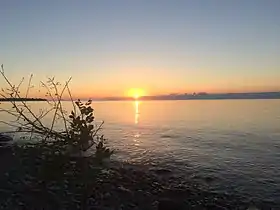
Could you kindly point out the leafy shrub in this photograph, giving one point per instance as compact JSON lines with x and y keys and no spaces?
{"x":83,"y":134}
{"x":80,"y":132}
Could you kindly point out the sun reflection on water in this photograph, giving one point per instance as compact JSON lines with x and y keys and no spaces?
{"x":136,"y":121}
{"x":136,"y":106}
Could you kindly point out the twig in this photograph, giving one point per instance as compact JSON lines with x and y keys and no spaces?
{"x":17,"y":94}
{"x":58,"y":105}
{"x":28,"y":87}
{"x":94,"y":135}
{"x":71,"y":98}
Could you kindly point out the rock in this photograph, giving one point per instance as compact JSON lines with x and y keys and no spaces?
{"x":169,"y":204}
{"x":162,"y":171}
{"x":5,"y":144}
{"x":214,"y":207}
{"x":252,"y":207}
{"x":123,"y":189}
{"x":5,"y":138}
{"x":99,"y":208}
{"x":4,"y":141}
{"x":209,"y":179}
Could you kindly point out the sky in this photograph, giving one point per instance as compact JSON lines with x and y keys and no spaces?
{"x":159,"y":46}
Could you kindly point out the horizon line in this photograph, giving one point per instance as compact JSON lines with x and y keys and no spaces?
{"x":181,"y":94}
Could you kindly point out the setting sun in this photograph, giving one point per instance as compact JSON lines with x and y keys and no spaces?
{"x":135,"y":93}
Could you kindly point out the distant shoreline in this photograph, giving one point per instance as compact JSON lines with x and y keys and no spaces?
{"x":23,"y":99}
{"x":194,"y":99}
{"x":198,"y":96}
{"x":174,"y":97}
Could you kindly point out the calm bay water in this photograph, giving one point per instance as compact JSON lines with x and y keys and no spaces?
{"x":235,"y":141}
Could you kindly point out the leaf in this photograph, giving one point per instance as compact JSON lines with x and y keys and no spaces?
{"x":90,"y":127}
{"x":90,"y":109}
{"x":90,"y":120}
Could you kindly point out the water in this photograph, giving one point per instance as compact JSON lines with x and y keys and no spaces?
{"x":235,"y":141}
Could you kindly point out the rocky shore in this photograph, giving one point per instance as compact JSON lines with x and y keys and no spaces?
{"x":42,"y":178}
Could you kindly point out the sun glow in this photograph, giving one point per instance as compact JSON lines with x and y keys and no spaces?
{"x":136,"y":93}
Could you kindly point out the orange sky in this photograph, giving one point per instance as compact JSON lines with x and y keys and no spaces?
{"x":119,"y":85}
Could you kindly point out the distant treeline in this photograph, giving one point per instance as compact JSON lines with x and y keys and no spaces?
{"x":201,"y":96}
{"x":205,"y":96}
{"x":22,"y":99}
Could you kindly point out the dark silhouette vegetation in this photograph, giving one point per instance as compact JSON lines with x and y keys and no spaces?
{"x":221,"y":96}
{"x":23,"y":99}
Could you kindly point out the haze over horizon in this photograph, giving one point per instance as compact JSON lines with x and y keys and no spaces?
{"x":159,"y":47}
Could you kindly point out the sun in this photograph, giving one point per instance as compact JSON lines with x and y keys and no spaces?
{"x":136,"y":93}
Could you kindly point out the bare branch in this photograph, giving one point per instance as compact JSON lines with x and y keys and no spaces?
{"x":29,"y":85}
{"x":71,"y":98}
{"x":79,"y":130}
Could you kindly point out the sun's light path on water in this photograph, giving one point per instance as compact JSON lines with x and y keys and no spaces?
{"x":136,"y":105}
{"x":136,"y":94}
